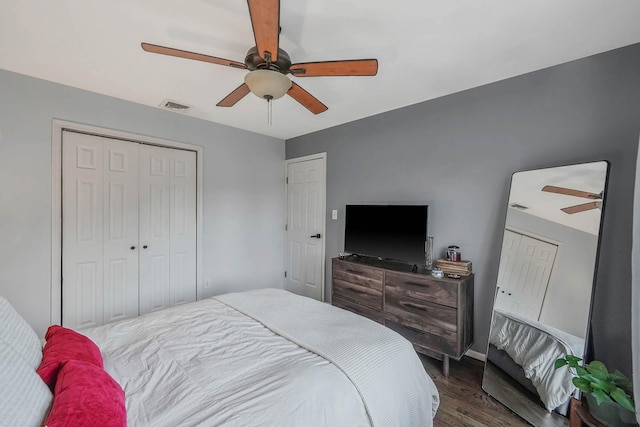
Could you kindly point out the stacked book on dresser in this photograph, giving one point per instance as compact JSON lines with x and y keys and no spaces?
{"x":459,"y":268}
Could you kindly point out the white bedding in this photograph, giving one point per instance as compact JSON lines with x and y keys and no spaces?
{"x":535,"y":347}
{"x":206,"y":363}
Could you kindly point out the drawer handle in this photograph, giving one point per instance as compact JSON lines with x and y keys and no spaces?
{"x":359,"y":272}
{"x":419,"y":331}
{"x":417,"y":284}
{"x":412,"y":305}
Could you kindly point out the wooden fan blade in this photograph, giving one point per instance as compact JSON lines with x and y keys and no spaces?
{"x":265,"y":20}
{"x":355,"y":67}
{"x":162,"y":50}
{"x":580,"y":208}
{"x":571,"y":192}
{"x":306,"y":99}
{"x":235,"y":96}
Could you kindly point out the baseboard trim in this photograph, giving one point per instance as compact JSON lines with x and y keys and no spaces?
{"x":476,"y":355}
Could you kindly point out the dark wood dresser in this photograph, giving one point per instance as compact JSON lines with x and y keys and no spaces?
{"x":435,"y":315}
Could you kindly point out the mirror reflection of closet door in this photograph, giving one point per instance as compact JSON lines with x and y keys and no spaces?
{"x":525,"y":268}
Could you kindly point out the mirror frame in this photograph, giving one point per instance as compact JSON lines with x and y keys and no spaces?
{"x":518,"y":400}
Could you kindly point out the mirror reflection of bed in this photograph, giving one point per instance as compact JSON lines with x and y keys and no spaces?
{"x":544,"y":288}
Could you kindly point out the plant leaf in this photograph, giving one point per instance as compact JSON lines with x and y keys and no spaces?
{"x":601,"y":397}
{"x":599,"y":383}
{"x":582,"y":384}
{"x":597,"y":367}
{"x":581,"y":371}
{"x":560,"y":363}
{"x":621,"y":397}
{"x":572,"y":358}
{"x":621,"y":380}
{"x":573,"y":361}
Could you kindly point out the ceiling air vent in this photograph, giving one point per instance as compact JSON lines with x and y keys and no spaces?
{"x":175,"y":106}
{"x":518,"y":206}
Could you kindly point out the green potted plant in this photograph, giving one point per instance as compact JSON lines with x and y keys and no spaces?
{"x":608,"y":394}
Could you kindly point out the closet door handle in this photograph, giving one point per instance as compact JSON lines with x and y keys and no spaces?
{"x":133,"y":248}
{"x":144,"y":247}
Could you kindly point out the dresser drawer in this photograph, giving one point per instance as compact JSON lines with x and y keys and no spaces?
{"x":421,"y":315}
{"x":357,"y":274}
{"x":423,"y":288}
{"x":357,"y":284}
{"x":358,"y":309}
{"x":443,"y":342}
{"x":357,"y":293}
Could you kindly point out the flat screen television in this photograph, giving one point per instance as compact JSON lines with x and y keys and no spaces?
{"x":396,"y":232}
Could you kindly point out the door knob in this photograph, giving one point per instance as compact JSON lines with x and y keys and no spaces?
{"x":144,"y":247}
{"x":315,"y":236}
{"x":133,"y":248}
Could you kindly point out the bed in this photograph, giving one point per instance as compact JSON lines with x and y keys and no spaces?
{"x":262,"y":358}
{"x":527,"y":350}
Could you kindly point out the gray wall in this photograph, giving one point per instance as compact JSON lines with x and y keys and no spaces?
{"x":457,"y":154}
{"x":243,"y":189}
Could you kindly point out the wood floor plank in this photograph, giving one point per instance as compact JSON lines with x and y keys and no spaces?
{"x":463,"y":403}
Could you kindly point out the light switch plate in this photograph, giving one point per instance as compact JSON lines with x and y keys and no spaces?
{"x":334,"y":214}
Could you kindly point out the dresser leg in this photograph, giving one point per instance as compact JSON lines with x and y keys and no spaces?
{"x":445,"y":365}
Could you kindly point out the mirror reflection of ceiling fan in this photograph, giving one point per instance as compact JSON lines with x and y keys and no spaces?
{"x":595,"y":204}
{"x":269,"y":65}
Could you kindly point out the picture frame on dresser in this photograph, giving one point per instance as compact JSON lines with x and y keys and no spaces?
{"x":434,"y":314}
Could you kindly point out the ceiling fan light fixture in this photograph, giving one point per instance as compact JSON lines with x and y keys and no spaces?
{"x":267,"y":84}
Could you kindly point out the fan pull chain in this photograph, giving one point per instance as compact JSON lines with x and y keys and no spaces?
{"x":269,"y":112}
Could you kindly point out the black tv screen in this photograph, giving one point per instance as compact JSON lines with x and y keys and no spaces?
{"x":396,"y":232}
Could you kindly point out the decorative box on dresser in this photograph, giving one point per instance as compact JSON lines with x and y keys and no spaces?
{"x":435,"y":315}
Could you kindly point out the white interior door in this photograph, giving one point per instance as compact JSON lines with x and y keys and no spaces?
{"x":306,"y":188}
{"x":525,"y":268}
{"x":100,"y":230}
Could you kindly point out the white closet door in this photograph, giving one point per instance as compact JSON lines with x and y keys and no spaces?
{"x":183,"y":227}
{"x":120,"y":230}
{"x":167,"y":227}
{"x":99,"y":223}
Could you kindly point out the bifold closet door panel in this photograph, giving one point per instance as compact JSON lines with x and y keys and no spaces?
{"x":167,"y":227}
{"x":99,"y":230}
{"x":183,"y":227}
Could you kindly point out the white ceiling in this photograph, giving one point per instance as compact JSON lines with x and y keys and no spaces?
{"x":425,"y":48}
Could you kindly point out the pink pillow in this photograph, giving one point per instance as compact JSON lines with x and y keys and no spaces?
{"x":86,"y":396}
{"x":65,"y":344}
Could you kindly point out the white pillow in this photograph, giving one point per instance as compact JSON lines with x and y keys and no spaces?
{"x":24,"y":398}
{"x":19,"y":335}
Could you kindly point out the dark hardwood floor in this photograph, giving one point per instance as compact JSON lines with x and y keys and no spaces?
{"x":462,"y":401}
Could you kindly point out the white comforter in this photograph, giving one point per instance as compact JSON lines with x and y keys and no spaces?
{"x":206,"y":363}
{"x":535,"y":347}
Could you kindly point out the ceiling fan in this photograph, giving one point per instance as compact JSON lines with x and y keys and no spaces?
{"x":269,"y":65}
{"x":596,"y":204}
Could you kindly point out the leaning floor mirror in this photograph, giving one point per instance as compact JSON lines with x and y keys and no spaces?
{"x":545,"y":285}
